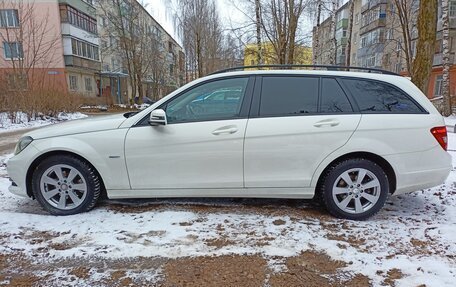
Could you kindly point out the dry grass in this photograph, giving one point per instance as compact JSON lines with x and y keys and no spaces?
{"x":36,"y":103}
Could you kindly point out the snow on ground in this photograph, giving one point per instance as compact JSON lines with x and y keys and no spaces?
{"x":415,"y":233}
{"x":21,"y":121}
{"x":450,"y":122}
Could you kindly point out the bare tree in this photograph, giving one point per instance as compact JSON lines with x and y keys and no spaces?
{"x":316,"y":35}
{"x":137,"y":41}
{"x":404,"y":13}
{"x":349,"y":33}
{"x":207,"y":47}
{"x":427,"y":25}
{"x":446,"y":58}
{"x":258,"y":31}
{"x":333,"y":47}
{"x":280,"y":22}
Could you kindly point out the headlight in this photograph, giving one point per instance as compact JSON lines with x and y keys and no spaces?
{"x":22,"y":144}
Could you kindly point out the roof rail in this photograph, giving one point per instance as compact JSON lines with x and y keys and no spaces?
{"x":313,"y":67}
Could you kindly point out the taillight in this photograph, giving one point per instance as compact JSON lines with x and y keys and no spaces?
{"x":440,"y":134}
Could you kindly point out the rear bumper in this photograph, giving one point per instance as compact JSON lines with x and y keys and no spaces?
{"x":421,"y":180}
{"x":416,"y":171}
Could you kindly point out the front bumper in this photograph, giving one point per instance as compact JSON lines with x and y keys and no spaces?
{"x":16,"y":190}
{"x":17,"y":167}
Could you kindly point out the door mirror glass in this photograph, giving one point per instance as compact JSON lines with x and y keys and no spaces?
{"x":158,"y":118}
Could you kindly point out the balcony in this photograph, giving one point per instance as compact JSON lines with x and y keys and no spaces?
{"x":380,"y":22}
{"x":81,"y":6}
{"x":343,"y":23}
{"x":78,"y":62}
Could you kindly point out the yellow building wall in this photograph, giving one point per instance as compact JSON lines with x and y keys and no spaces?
{"x":303,"y":55}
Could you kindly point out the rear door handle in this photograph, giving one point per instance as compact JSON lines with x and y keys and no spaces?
{"x":331,"y":123}
{"x":225,"y":130}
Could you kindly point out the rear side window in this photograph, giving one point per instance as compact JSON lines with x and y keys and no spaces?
{"x":333,"y":98}
{"x":377,"y":97}
{"x":282,"y":96}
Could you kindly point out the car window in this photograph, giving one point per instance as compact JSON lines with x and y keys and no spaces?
{"x":282,"y":96}
{"x":333,"y":98}
{"x":220,"y":99}
{"x":375,"y":97}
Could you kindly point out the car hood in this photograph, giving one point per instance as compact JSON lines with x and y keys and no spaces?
{"x":90,"y":124}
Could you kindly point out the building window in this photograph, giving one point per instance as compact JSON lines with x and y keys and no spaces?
{"x":9,"y":18}
{"x":85,"y":50}
{"x":88,"y":84}
{"x":73,"y":82}
{"x":371,"y":61}
{"x":357,"y":18}
{"x":453,"y":8}
{"x":13,"y":50}
{"x":438,"y":86}
{"x":17,"y":81}
{"x":398,"y":68}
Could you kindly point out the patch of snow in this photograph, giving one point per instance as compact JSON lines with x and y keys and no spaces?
{"x":21,"y":121}
{"x":450,"y":122}
{"x":373,"y":247}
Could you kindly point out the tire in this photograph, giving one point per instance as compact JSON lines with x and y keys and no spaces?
{"x":344,"y":196}
{"x":66,"y":185}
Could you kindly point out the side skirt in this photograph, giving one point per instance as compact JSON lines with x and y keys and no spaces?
{"x":302,"y":193}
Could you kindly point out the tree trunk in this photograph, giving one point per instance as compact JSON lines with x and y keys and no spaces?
{"x":427,"y":25}
{"x":446,"y":59}
{"x":333,"y":47}
{"x":349,"y":35}
{"x":316,"y":35}
{"x":403,"y":7}
{"x":258,"y":32}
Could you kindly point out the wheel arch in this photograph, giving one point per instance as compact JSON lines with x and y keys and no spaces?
{"x":383,"y":163}
{"x":36,"y":162}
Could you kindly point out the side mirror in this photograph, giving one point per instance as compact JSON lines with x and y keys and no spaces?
{"x":158,"y":118}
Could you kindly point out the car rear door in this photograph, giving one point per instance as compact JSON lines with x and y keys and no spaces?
{"x":296,"y":121}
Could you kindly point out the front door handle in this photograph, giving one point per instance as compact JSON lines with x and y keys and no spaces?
{"x":225,"y":130}
{"x":331,"y":123}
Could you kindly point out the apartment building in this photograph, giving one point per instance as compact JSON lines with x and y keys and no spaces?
{"x":62,"y":44}
{"x":377,"y":39}
{"x":31,"y":54}
{"x":80,"y":45}
{"x":165,"y":72}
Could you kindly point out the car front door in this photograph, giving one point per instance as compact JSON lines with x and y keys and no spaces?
{"x":295,"y":124}
{"x":201,"y":146}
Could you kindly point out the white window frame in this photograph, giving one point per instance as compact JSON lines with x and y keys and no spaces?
{"x":9,"y":18}
{"x":88,"y":84}
{"x":17,"y":46}
{"x":438,"y":85}
{"x":73,"y":82}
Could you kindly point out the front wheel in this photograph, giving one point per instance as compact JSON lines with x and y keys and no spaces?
{"x":354,"y":189}
{"x":66,"y":185}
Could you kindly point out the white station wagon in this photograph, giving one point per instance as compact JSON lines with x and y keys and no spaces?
{"x":347,"y":138}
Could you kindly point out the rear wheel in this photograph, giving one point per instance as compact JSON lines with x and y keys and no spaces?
{"x":354,"y":189}
{"x":66,"y":185}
